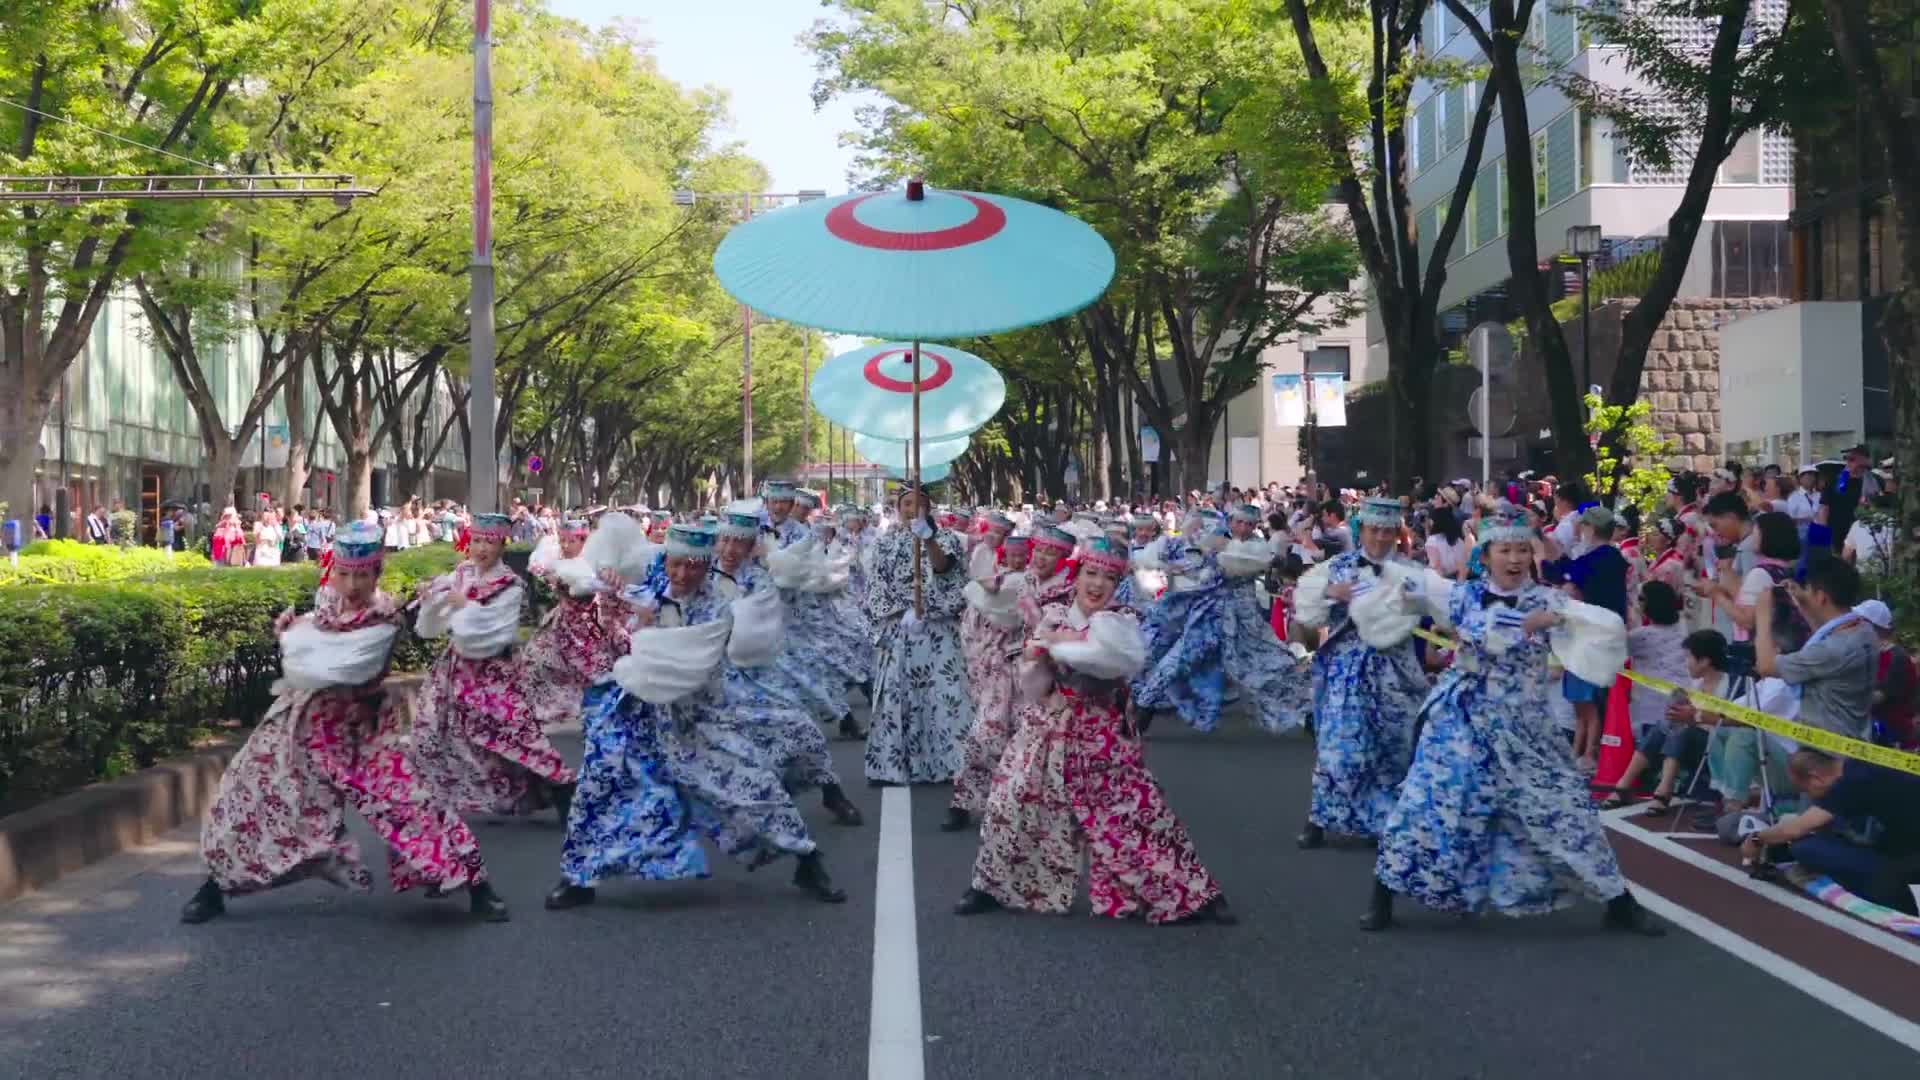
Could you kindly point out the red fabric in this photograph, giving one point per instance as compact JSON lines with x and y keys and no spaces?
{"x":326,"y":566}
{"x":1616,"y":736}
{"x":1896,"y":715}
{"x":1279,"y":617}
{"x":461,"y":541}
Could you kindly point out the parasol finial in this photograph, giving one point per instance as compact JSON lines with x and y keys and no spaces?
{"x":916,"y":190}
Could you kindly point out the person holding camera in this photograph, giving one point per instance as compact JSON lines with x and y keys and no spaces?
{"x":1833,"y":672}
{"x":1863,"y":829}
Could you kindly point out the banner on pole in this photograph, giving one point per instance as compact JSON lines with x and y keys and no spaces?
{"x":1289,"y":401}
{"x":1329,"y":399}
{"x":277,"y":445}
{"x":1149,"y":445}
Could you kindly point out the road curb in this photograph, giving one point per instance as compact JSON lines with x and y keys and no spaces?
{"x":40,"y":844}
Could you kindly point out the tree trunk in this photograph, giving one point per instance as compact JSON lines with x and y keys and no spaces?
{"x":294,"y":393}
{"x":359,"y":486}
{"x":1196,"y":445}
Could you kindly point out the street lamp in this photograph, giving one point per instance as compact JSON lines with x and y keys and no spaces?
{"x":687,"y":197}
{"x":1583,"y":243}
{"x":1307,"y":344}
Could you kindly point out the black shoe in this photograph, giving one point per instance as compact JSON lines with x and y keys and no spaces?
{"x":1624,"y":913}
{"x":206,"y":904}
{"x":866,"y":688}
{"x":484,"y":902}
{"x":567,"y":895}
{"x":562,"y":795}
{"x":1379,"y":914}
{"x":851,"y":729}
{"x":975,"y":902}
{"x":841,"y":807}
{"x":1313,"y":836}
{"x":812,"y":879}
{"x":957,"y":819}
{"x":1215,"y":911}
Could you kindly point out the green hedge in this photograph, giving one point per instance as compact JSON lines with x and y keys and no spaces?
{"x":69,"y":562}
{"x":99,"y":679}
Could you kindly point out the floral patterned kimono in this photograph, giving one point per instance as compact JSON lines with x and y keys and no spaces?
{"x":1494,"y":815}
{"x":330,"y":742}
{"x":1074,"y":781}
{"x":922,"y":708}
{"x":1210,"y":630}
{"x":783,"y":705}
{"x":1364,"y":702}
{"x":575,"y":646}
{"x":991,"y":640}
{"x":476,"y":733}
{"x":828,"y":646}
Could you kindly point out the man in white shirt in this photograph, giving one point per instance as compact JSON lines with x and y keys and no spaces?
{"x":99,"y":531}
{"x":1804,"y":503}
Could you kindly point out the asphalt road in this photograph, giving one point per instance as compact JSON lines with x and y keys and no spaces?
{"x":743,"y":976}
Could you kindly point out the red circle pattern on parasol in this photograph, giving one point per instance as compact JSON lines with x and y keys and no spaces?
{"x":987,"y":222}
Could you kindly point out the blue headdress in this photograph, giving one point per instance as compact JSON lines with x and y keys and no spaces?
{"x":690,"y":542}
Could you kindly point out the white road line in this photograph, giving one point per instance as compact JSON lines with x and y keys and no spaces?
{"x":1895,"y":1027}
{"x":895,"y":1048}
{"x":1788,"y":897}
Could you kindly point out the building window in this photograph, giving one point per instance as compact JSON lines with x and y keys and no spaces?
{"x":1540,"y":170}
{"x":1331,"y":360}
{"x":1584,"y":148}
{"x":1506,"y":203}
{"x":1743,"y":161}
{"x":1749,"y":258}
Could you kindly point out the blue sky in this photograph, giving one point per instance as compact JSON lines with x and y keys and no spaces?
{"x":750,"y":49}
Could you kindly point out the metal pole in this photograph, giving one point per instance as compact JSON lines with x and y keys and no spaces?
{"x":1586,"y":338}
{"x":746,"y":379}
{"x":63,"y":501}
{"x":1486,"y":419}
{"x":806,"y":405}
{"x":483,"y":460}
{"x":919,"y":601}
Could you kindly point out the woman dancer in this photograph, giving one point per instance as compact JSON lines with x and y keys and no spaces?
{"x":1074,"y":779}
{"x":1494,"y":816}
{"x":476,"y":735}
{"x":580,"y":638}
{"x":992,"y":631}
{"x":921,"y":707}
{"x":331,"y":741}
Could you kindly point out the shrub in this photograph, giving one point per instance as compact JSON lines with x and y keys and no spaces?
{"x":97,"y":679}
{"x":69,"y":562}
{"x":122,"y":524}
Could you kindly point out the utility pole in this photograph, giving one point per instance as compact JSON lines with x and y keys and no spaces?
{"x":483,"y":459}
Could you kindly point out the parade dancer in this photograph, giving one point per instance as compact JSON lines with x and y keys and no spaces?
{"x":1142,"y":555}
{"x":1215,"y":629}
{"x":1050,"y":572}
{"x":921,"y":706}
{"x":991,"y":633}
{"x":1364,"y":697}
{"x":332,"y":740}
{"x":476,"y":734}
{"x":1494,"y":815}
{"x":676,"y":723}
{"x":777,"y":513}
{"x":780,"y":694}
{"x":829,"y":646}
{"x":580,"y":637}
{"x":1074,"y":781}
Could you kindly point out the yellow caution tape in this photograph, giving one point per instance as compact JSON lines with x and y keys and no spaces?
{"x":1818,"y":738}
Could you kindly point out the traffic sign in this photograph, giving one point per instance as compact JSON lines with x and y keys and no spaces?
{"x":1495,"y":411}
{"x":534,"y":464}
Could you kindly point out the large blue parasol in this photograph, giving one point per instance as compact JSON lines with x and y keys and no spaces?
{"x":897,"y":454}
{"x":929,"y":474}
{"x":870,"y":391}
{"x":918,"y":264}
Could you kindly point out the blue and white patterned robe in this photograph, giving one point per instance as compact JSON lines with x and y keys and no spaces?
{"x":1213,"y":630}
{"x":1364,"y":702}
{"x":1493,"y":814}
{"x":922,"y":707}
{"x":785,"y":534}
{"x":785,"y":706}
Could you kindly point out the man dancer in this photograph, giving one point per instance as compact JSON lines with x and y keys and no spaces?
{"x":777,"y":515}
{"x":922,"y":708}
{"x":1364,"y":698}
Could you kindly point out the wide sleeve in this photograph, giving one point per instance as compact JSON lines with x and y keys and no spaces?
{"x":983,"y":563}
{"x":1114,"y":647}
{"x":1590,"y":642}
{"x":759,"y":622}
{"x":670,"y":664}
{"x":436,"y":608}
{"x":1245,"y":558}
{"x":315,"y":659}
{"x":1000,"y":607}
{"x":1310,"y":604}
{"x":790,"y":567}
{"x":480,"y":631}
{"x":1430,"y":594}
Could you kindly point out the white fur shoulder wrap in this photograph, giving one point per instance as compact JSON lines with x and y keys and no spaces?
{"x":1001,"y":608}
{"x":1590,"y":642}
{"x":1115,"y":647}
{"x":670,"y":664}
{"x":618,"y":544}
{"x":759,"y":623}
{"x":1245,"y":558}
{"x":790,"y":567}
{"x":1310,"y":604}
{"x":480,"y":631}
{"x":315,"y":659}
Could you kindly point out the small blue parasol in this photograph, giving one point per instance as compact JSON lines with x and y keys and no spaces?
{"x":897,"y":454}
{"x":870,"y":391}
{"x":921,"y":264}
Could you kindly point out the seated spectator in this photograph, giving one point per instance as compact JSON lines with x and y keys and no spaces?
{"x":1737,"y":755}
{"x":1834,"y":670}
{"x":1896,"y":681}
{"x":1863,"y":829}
{"x":1661,"y":649}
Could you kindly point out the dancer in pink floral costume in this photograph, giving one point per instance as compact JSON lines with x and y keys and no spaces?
{"x":1074,"y":779}
{"x":476,"y":735}
{"x":991,"y":629}
{"x":330,"y":741}
{"x":580,"y":637}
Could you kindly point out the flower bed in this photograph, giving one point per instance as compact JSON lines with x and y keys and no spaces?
{"x":99,"y":679}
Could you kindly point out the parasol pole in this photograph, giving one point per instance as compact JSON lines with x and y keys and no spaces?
{"x":919,"y":599}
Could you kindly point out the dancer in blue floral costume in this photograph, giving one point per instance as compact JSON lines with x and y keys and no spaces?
{"x":1142,"y":548}
{"x":922,"y":707}
{"x":1364,"y":698}
{"x":689,"y":763}
{"x":1209,"y":627}
{"x":780,"y":516}
{"x":1493,"y":815}
{"x":781,"y":695}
